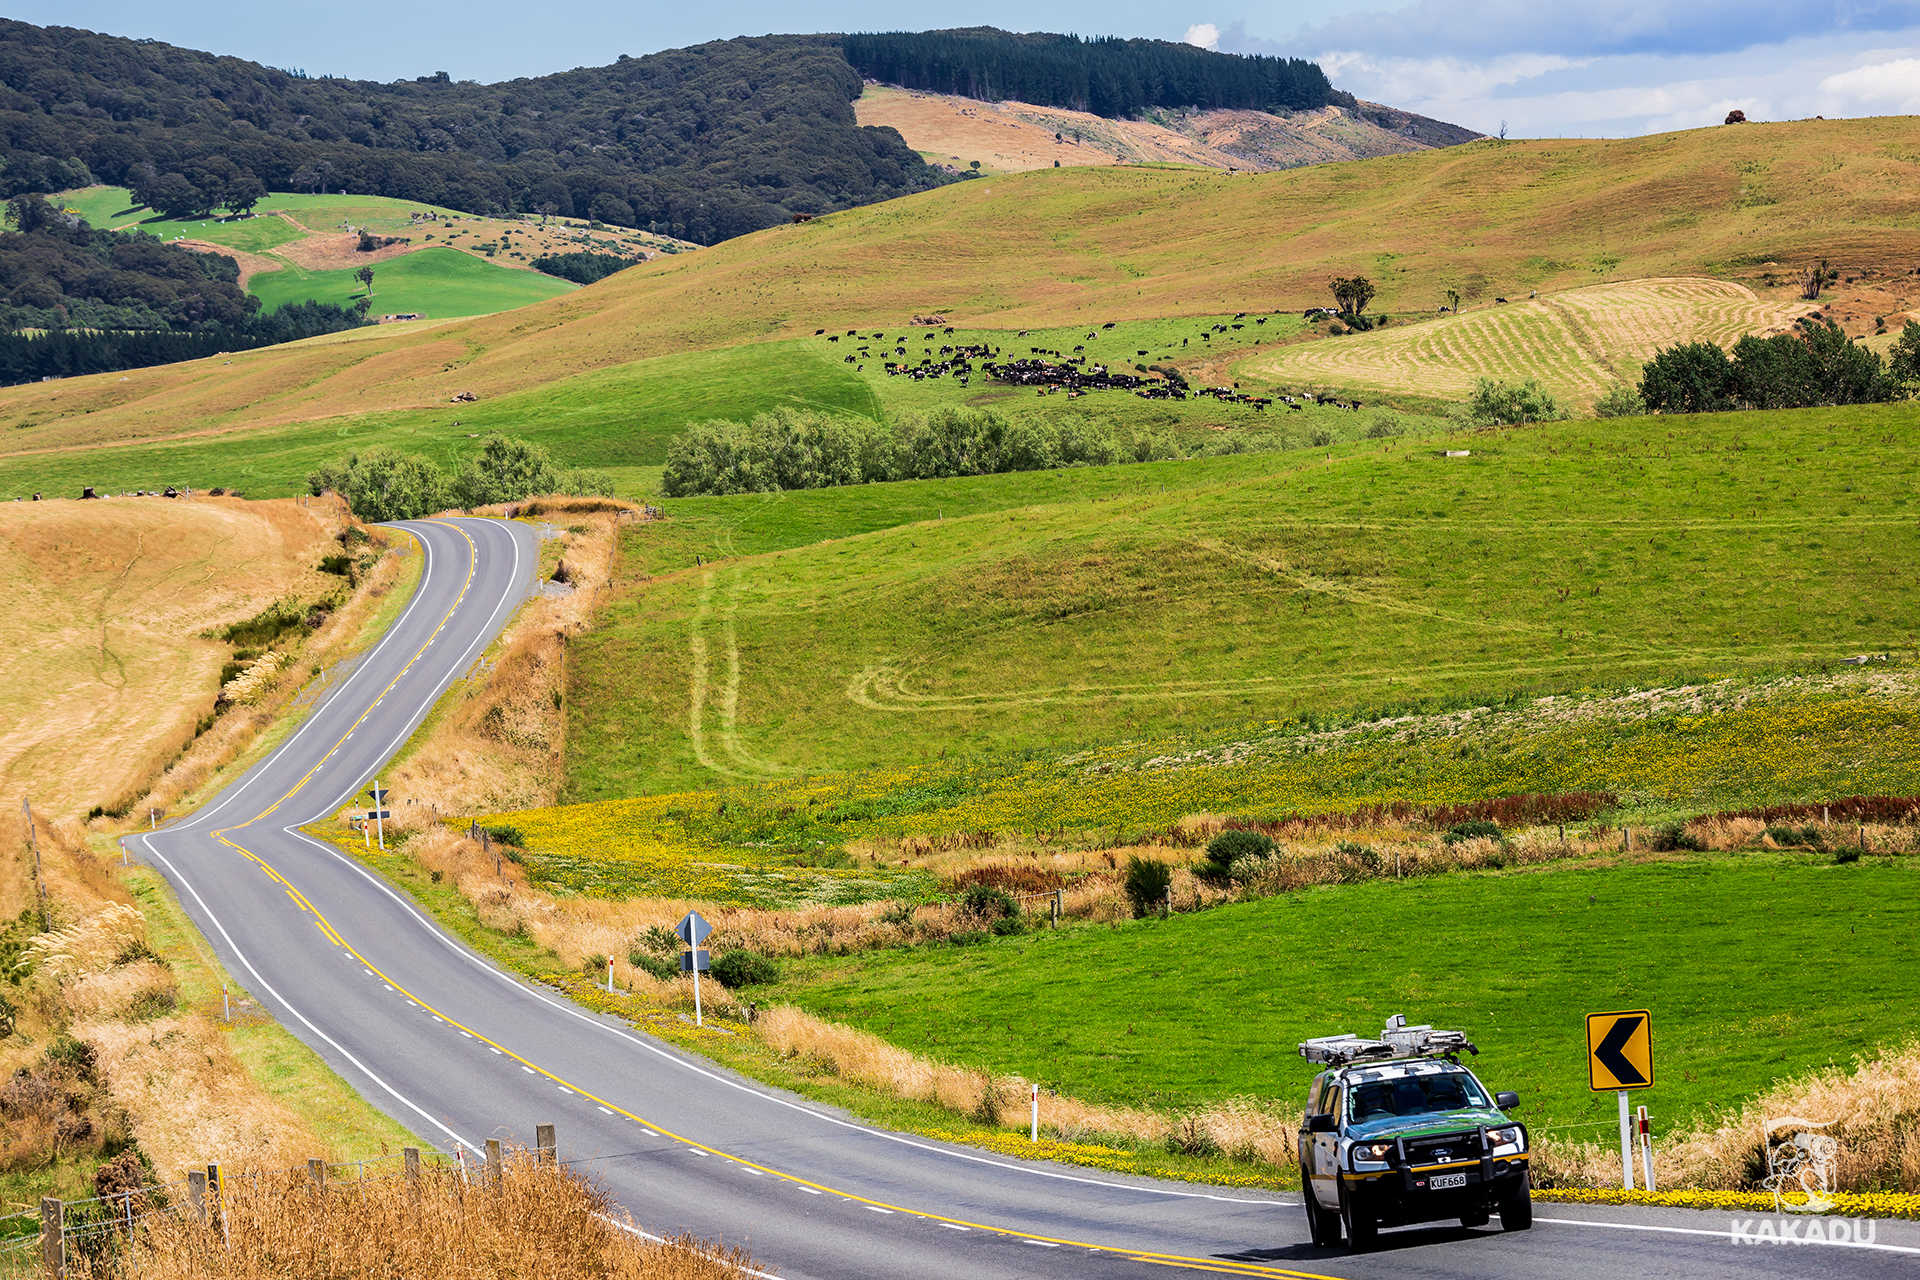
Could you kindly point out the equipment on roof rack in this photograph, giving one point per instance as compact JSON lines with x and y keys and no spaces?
{"x":1397,"y":1040}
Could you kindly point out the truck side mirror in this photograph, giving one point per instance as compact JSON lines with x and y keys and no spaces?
{"x":1323,"y":1122}
{"x":1506,"y":1101}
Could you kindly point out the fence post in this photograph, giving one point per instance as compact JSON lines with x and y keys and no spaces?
{"x":493,"y":1162}
{"x":197,"y":1194}
{"x":317,"y":1171}
{"x":218,"y":1210}
{"x":410,"y":1161}
{"x":1055,"y":922}
{"x":53,"y":1236}
{"x":544,"y":1144}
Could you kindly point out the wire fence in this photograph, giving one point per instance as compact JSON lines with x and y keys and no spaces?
{"x":104,"y":1228}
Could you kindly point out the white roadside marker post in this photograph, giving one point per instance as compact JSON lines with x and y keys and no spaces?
{"x":609,"y":975}
{"x":1626,"y":1145}
{"x":226,"y":1004}
{"x":1033,"y":1134}
{"x":380,"y":813}
{"x":1646,"y":1148}
{"x":696,"y":991}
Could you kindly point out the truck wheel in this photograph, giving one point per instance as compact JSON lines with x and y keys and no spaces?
{"x":1361,"y":1228}
{"x":1322,"y":1224}
{"x":1516,"y":1207}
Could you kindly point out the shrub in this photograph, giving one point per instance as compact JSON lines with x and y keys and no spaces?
{"x":1512,"y":404}
{"x":1385,"y":426}
{"x":1674,"y":837}
{"x":744,"y":969}
{"x":383,"y":484}
{"x":1844,"y":856}
{"x":1230,"y":847}
{"x":505,"y":470}
{"x":985,"y":903}
{"x":1473,"y":829}
{"x":1008,"y":926}
{"x":663,"y":969}
{"x":1147,"y":882}
{"x":505,"y":833}
{"x":897,"y":913}
{"x":580,"y":482}
{"x":1623,"y":400}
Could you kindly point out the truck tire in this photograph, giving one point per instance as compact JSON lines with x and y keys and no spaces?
{"x":1362,"y":1230}
{"x":1322,"y":1224}
{"x":1516,"y":1207}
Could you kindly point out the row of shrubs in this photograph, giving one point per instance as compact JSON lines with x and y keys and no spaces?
{"x":385,"y":484}
{"x":1815,"y":364}
{"x":789,"y":448}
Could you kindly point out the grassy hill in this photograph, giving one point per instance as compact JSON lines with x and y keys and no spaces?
{"x":1079,"y":247}
{"x":1026,"y":617}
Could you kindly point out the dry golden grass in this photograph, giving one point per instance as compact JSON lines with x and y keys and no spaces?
{"x":1873,"y":1111}
{"x":103,"y":670}
{"x":539,"y":1222}
{"x":1491,"y":218}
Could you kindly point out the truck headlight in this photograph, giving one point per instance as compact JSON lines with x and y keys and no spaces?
{"x":1506,"y":1137}
{"x":1372,"y":1151}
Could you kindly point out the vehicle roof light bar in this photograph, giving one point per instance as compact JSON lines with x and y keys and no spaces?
{"x":1396,"y":1040}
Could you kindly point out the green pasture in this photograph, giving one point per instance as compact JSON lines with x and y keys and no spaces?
{"x":1190,"y":600}
{"x":437,"y":282}
{"x":1761,"y":966}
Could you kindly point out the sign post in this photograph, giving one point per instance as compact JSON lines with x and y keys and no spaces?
{"x":693,"y":931}
{"x":1620,"y":1059}
{"x":379,"y":814}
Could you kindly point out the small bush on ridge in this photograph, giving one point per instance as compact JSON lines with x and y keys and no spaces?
{"x":1147,"y":883}
{"x":744,"y":969}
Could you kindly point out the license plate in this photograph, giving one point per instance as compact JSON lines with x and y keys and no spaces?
{"x":1447,"y":1181}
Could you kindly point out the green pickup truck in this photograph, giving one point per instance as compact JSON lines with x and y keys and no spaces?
{"x":1396,"y":1131}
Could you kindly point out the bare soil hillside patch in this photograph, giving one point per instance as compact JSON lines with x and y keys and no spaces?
{"x":1012,"y":137}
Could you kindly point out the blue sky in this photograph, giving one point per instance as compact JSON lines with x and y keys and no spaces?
{"x":1600,"y":67}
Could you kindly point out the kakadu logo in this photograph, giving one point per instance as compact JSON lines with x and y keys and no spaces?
{"x":1800,"y":1164}
{"x":1800,"y":1174}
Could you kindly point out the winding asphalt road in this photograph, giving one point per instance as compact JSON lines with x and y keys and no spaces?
{"x":460,"y":1052}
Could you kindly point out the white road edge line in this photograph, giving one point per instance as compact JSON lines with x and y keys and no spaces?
{"x":629,"y":1228}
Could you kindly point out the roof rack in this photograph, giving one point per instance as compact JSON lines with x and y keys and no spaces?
{"x":1397,"y":1040}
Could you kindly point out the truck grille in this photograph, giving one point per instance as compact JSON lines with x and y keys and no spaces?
{"x":1440,"y":1148}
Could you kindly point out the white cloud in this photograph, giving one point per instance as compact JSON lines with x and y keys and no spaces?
{"x":1892,"y":86}
{"x":1606,"y":27}
{"x":1400,"y":81}
{"x":1204,"y":34}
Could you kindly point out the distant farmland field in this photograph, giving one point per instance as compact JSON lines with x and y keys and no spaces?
{"x":1577,"y":343}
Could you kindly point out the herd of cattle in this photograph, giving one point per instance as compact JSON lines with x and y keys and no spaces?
{"x":1052,"y":372}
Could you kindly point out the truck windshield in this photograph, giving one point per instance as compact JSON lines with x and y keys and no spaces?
{"x":1416,"y":1095}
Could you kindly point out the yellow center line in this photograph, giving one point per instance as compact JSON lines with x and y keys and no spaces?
{"x":1138,"y":1255}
